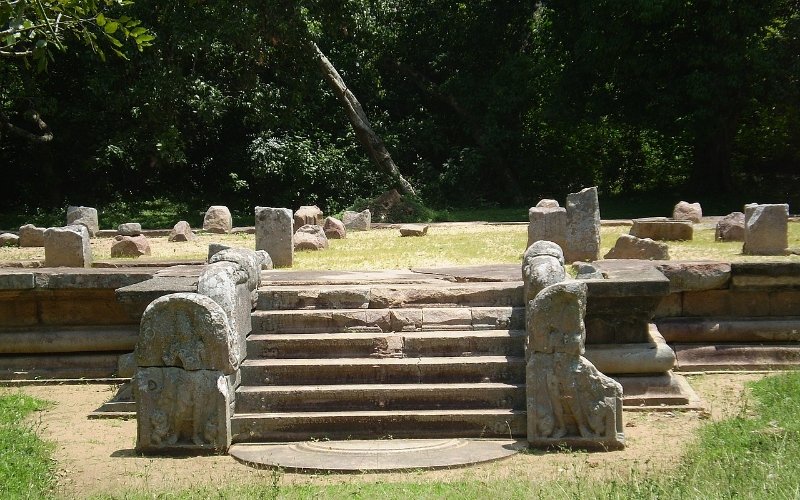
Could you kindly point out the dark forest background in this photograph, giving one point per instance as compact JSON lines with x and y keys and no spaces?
{"x":480,"y":103}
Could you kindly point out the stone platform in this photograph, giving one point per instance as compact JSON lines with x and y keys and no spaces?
{"x":385,"y":455}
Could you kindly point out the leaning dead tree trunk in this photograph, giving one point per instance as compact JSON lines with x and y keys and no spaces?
{"x":44,"y":135}
{"x":358,"y":119}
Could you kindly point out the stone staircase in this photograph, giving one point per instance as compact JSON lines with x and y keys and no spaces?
{"x":384,"y":360}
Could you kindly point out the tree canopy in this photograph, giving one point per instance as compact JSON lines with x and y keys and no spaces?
{"x":480,"y":102}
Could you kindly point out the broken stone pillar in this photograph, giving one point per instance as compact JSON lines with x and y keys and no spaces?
{"x":357,"y":221}
{"x":67,"y":247}
{"x":542,"y":266}
{"x":583,"y":226}
{"x":31,"y":236}
{"x":308,"y":214}
{"x":274,"y":234}
{"x":187,"y":359}
{"x":569,"y":402}
{"x":86,"y":216}
{"x":766,"y":229}
{"x":547,"y":223}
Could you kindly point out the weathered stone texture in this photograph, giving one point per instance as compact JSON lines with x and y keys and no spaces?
{"x":226,"y":284}
{"x":766,"y":229}
{"x":130,"y":246}
{"x":542,"y":266}
{"x":334,"y":229}
{"x":274,"y":234}
{"x":67,"y":247}
{"x":569,"y":402}
{"x":182,"y":231}
{"x":547,"y":223}
{"x":86,"y":216}
{"x":414,"y":229}
{"x":730,"y":227}
{"x":547,"y":203}
{"x":9,"y":240}
{"x":218,"y":220}
{"x":583,"y":226}
{"x":631,"y":247}
{"x":687,"y":211}
{"x":662,"y":229}
{"x":189,"y":331}
{"x":310,"y":237}
{"x":130,"y":229}
{"x":693,"y":276}
{"x":182,"y":410}
{"x":31,"y":236}
{"x":307,"y":214}
{"x":357,"y":221}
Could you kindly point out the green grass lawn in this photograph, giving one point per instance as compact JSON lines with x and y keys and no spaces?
{"x":25,"y":465}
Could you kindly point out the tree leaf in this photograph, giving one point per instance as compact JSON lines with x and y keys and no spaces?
{"x":101,"y":19}
{"x":111,"y":27}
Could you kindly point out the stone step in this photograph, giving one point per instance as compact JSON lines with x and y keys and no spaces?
{"x":58,"y":366}
{"x":386,"y":345}
{"x":304,"y":426}
{"x":361,"y":397}
{"x":68,"y":339}
{"x":716,"y":330}
{"x":388,"y":320}
{"x":340,"y":371}
{"x":383,"y":295}
{"x":695,"y":357}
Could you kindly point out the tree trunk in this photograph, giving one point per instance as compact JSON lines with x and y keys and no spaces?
{"x":358,"y":119}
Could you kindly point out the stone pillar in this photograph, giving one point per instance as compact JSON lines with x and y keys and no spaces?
{"x":547,"y":223}
{"x":86,"y":216}
{"x":218,"y":220}
{"x":569,"y":402}
{"x":766,"y":229}
{"x":187,"y":359}
{"x":583,"y":226}
{"x":542,"y":266}
{"x":274,"y":234}
{"x":67,"y":247}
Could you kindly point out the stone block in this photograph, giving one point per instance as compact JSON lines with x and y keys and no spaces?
{"x":226,"y":284}
{"x":730,"y":227}
{"x":726,"y":303}
{"x":189,"y":331}
{"x":130,"y":246}
{"x":631,"y":247}
{"x":214,"y":248}
{"x":687,"y":211}
{"x":357,"y":221}
{"x":181,"y":232}
{"x":414,"y":229}
{"x":784,"y":303}
{"x":85,"y":216}
{"x":334,"y":229}
{"x":274,"y":234}
{"x":218,"y":220}
{"x":694,"y":276}
{"x":547,"y":203}
{"x":31,"y":236}
{"x":9,"y":240}
{"x":583,"y":226}
{"x":662,"y":229}
{"x":547,"y":223}
{"x":308,"y":214}
{"x":310,"y":237}
{"x":670,"y":306}
{"x":179,"y":410}
{"x":766,"y":229}
{"x":67,"y":247}
{"x":130,"y":229}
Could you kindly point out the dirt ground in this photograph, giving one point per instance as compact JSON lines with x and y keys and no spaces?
{"x":97,"y":456}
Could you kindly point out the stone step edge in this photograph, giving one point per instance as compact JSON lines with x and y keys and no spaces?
{"x":371,"y":387}
{"x":377,"y":413}
{"x":351,"y":335}
{"x":428,"y":360}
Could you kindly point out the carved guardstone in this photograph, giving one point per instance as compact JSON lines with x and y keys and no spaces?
{"x":569,"y":402}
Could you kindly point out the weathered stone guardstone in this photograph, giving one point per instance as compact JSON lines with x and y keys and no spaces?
{"x":662,"y":229}
{"x":226,"y":283}
{"x":130,"y":246}
{"x":130,"y":229}
{"x":9,"y":240}
{"x":569,"y":402}
{"x":687,"y":211}
{"x":307,"y":214}
{"x":357,"y":221}
{"x":86,"y":216}
{"x":414,"y":229}
{"x":182,"y":231}
{"x":189,"y":331}
{"x":631,"y":247}
{"x":310,"y":237}
{"x":218,"y":220}
{"x":266,"y":260}
{"x":334,"y":229}
{"x":274,"y":234}
{"x":730,"y":227}
{"x":67,"y":247}
{"x":766,"y":229}
{"x":583,"y":226}
{"x":547,"y":223}
{"x":542,"y":266}
{"x":182,"y":410}
{"x":251,"y":262}
{"x":31,"y":236}
{"x":547,"y":203}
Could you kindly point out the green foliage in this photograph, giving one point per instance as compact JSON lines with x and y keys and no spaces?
{"x":25,"y":466}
